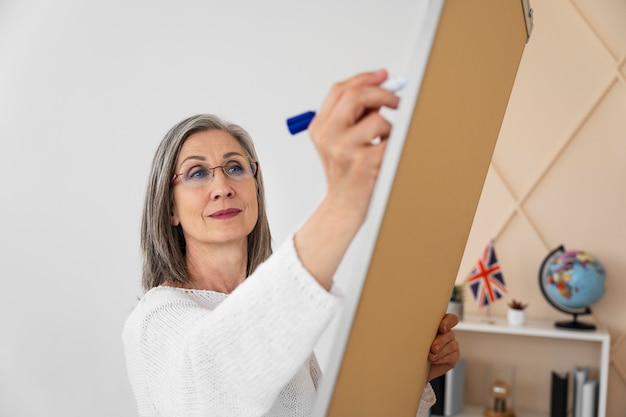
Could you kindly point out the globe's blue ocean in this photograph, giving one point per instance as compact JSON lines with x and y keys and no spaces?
{"x":574,"y":279}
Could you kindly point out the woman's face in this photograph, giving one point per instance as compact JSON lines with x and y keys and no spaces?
{"x":221,"y":210}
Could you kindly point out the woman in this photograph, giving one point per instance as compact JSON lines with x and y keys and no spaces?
{"x":224,"y":328}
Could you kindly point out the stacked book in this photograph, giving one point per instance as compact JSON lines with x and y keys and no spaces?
{"x":584,"y":393}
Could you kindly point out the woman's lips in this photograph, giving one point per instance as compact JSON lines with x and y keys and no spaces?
{"x":225,"y":214}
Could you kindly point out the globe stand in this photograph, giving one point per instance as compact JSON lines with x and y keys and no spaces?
{"x":575,"y":324}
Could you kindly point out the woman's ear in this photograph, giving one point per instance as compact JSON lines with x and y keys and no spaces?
{"x":175,"y":219}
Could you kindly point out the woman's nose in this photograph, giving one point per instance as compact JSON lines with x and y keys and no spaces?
{"x":220,"y":185}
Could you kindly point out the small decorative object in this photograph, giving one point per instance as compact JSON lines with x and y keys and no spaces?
{"x":571,"y":281}
{"x":455,"y":306}
{"x":500,"y":392}
{"x":517,"y":313}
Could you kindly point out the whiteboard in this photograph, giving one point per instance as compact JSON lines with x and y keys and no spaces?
{"x":407,"y":255}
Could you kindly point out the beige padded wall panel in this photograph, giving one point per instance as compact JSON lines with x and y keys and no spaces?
{"x":452,"y":133}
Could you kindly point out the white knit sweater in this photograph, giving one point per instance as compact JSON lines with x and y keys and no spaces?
{"x":197,"y":353}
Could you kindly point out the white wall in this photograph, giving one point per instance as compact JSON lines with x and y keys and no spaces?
{"x":87,"y":90}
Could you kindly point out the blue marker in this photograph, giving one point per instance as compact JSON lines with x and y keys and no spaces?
{"x":297,"y":124}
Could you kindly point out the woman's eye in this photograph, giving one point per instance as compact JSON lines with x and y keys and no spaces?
{"x":234,"y":168}
{"x":197,"y":173}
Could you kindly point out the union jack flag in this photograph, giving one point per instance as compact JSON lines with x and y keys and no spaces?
{"x":486,"y":280}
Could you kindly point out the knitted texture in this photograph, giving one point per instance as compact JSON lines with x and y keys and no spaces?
{"x":197,"y":353}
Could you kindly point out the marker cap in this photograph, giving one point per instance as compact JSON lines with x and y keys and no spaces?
{"x":297,"y":124}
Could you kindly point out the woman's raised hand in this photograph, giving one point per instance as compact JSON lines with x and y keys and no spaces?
{"x":343,"y":132}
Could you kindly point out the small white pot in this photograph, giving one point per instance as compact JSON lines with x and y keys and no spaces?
{"x":516,"y":317}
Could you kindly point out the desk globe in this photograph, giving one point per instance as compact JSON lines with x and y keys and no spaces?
{"x":571,"y":281}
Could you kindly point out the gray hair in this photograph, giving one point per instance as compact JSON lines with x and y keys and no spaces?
{"x":163,"y":245}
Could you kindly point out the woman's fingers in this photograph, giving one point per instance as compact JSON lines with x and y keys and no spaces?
{"x":444,"y":351}
{"x":443,"y":359}
{"x":448,"y":322}
{"x":372,"y":78}
{"x":348,"y":104}
{"x":443,"y":346}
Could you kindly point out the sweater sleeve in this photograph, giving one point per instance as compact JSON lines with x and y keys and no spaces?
{"x":427,"y":401}
{"x":235,"y":359}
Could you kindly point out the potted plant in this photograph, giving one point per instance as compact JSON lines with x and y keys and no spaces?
{"x":517,"y":313}
{"x":455,"y":305}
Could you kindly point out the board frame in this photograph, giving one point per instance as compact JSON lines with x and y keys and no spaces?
{"x":460,"y":79}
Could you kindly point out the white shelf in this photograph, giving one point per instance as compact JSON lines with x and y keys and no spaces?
{"x":541,"y":329}
{"x":538,"y":328}
{"x":476,"y":411}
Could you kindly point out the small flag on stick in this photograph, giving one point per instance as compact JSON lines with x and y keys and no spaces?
{"x":486,"y":280}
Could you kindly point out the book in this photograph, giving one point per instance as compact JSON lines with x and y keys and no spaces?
{"x":581,"y":375}
{"x":558,"y":395}
{"x":589,"y":403}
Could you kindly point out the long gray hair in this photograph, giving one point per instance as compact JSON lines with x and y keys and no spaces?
{"x":163,"y":245}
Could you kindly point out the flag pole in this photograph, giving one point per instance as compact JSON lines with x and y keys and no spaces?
{"x":489,"y":320}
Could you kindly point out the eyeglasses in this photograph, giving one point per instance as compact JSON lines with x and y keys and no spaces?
{"x":198,"y":175}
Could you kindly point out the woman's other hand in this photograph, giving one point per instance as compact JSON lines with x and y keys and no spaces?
{"x":444,"y":351}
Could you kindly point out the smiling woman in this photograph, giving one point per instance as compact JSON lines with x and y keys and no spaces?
{"x":225,"y":326}
{"x":214,"y":211}
{"x":186,"y":144}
